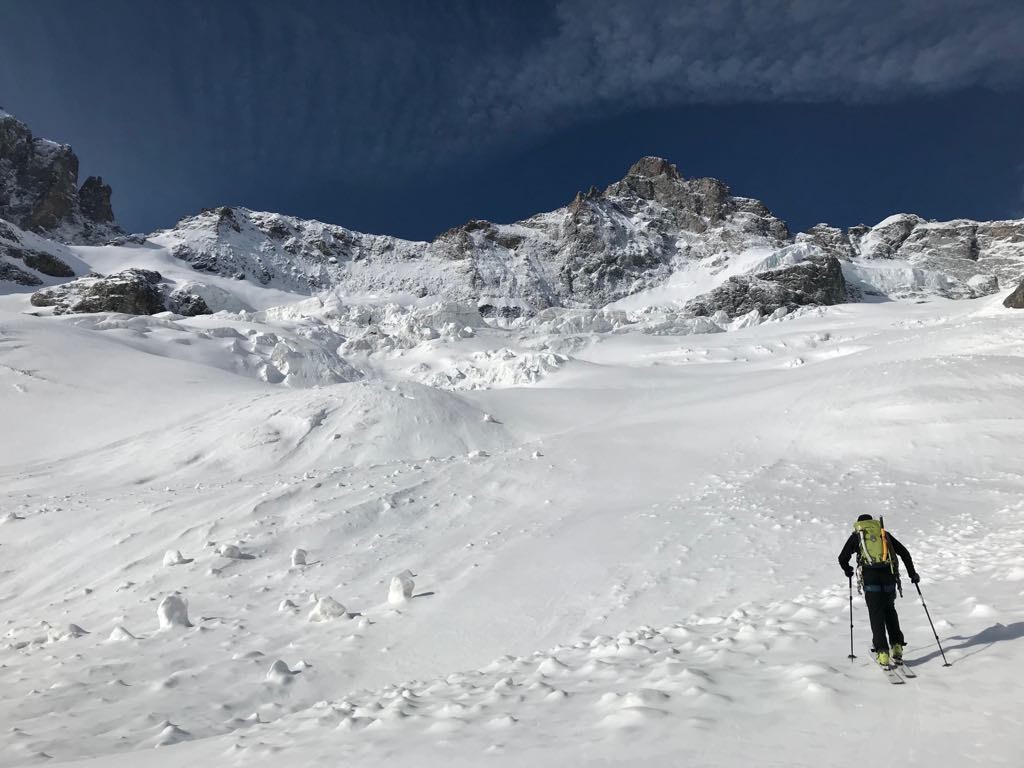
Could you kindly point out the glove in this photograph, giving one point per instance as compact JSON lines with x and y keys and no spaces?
{"x":849,"y":572}
{"x":914,"y":577}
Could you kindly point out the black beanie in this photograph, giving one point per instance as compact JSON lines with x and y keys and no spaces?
{"x":862,"y":518}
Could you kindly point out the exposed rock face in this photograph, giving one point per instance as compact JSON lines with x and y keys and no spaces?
{"x":132,"y":292}
{"x":832,"y":240}
{"x":39,"y":188}
{"x":184,"y":302}
{"x":10,"y":273}
{"x":1016,"y":299}
{"x":94,"y":199}
{"x":814,"y":282}
{"x":905,"y":256}
{"x":27,"y":259}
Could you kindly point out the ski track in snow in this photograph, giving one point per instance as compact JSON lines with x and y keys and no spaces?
{"x":663,"y":527}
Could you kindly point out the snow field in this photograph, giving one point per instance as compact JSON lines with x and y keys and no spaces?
{"x":661,"y":518}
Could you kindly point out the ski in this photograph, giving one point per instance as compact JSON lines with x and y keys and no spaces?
{"x":893,"y":675}
{"x":904,"y":670}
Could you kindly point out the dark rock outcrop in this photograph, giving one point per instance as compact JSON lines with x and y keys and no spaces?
{"x":184,"y":302}
{"x":815,"y":282}
{"x":1016,"y":299}
{"x":33,"y":253}
{"x":16,"y":275}
{"x":43,"y":262}
{"x":94,"y":199}
{"x":39,"y":188}
{"x":131,"y":291}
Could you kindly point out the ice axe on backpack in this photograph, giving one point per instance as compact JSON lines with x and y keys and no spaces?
{"x":894,"y":565}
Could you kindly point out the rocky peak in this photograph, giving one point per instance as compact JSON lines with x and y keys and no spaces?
{"x":654,"y":187}
{"x":654,"y":179}
{"x":39,"y":188}
{"x":650,"y":167}
{"x":581,"y":199}
{"x":94,"y":199}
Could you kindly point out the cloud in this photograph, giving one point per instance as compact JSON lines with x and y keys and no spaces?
{"x":641,"y":52}
{"x":371,"y":89}
{"x":612,"y":57}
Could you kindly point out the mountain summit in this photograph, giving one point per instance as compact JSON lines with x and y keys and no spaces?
{"x":652,"y":237}
{"x":601,"y":247}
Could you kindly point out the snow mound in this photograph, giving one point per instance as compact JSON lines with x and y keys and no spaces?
{"x":121,"y":635}
{"x":357,"y":423}
{"x":173,"y":612}
{"x":327,"y":609}
{"x":174,"y":557}
{"x":170,"y":734}
{"x":230,"y":551}
{"x":401,"y":588}
{"x":280,"y":674}
{"x":298,"y":557}
{"x":70,"y":632}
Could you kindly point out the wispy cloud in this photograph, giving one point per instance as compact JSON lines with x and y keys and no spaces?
{"x":594,"y":59}
{"x":367,"y":88}
{"x":625,"y":54}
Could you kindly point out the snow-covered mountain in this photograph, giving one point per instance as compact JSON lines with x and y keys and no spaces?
{"x":652,"y":229}
{"x":652,"y":238}
{"x":342,"y":517}
{"x":600,"y":248}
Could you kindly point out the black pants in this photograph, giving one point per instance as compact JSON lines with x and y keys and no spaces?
{"x":882,"y":613}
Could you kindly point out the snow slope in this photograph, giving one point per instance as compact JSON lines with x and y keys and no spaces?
{"x":629,"y":558}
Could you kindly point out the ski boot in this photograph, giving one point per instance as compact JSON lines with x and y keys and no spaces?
{"x":897,"y":654}
{"x":883,"y":659}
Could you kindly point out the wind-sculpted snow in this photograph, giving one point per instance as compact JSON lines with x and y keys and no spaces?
{"x":303,"y":359}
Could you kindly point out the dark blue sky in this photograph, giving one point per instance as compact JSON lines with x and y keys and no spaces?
{"x":410,"y":117}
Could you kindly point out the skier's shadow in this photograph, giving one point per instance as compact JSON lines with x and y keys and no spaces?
{"x":997,"y":633}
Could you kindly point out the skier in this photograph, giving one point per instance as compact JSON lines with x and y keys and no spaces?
{"x":876,"y":551}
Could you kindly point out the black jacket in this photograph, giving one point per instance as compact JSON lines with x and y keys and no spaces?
{"x":876,"y":574}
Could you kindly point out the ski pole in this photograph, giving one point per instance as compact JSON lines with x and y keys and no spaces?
{"x":926,"y":613}
{"x":851,"y":656}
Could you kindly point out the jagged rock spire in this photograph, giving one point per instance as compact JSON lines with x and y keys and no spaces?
{"x":39,"y":188}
